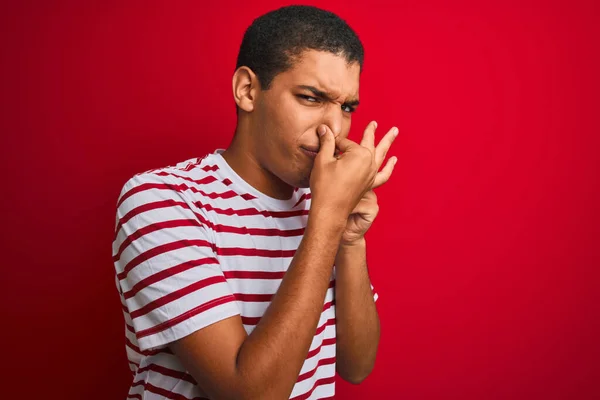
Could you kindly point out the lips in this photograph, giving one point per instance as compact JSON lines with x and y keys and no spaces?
{"x":314,"y":150}
{"x":310,"y":151}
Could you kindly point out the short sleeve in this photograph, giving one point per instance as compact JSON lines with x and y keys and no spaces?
{"x":167,"y":272}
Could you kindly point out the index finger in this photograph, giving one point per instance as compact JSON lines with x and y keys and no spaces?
{"x":344,"y":144}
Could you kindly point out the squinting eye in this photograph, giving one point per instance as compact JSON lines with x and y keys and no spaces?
{"x":348,"y":109}
{"x":309,"y":98}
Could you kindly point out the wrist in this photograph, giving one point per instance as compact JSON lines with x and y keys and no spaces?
{"x":351,"y":245}
{"x":351,"y":252}
{"x":330,"y":220}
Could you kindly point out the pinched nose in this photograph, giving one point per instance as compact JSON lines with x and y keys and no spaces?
{"x":333,"y":118}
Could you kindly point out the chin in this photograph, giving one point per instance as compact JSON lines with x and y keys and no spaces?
{"x":304,"y":182}
{"x":300,"y":182}
{"x":298,"y":179}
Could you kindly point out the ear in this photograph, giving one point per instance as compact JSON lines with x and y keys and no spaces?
{"x":245,"y":88}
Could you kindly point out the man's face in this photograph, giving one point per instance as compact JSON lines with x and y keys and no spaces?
{"x":321,"y":88}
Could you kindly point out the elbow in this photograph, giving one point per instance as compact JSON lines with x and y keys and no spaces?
{"x":355,"y":377}
{"x":354,"y":380}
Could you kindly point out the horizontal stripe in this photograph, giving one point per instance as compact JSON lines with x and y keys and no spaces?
{"x":168,"y":372}
{"x":315,"y":351}
{"x":129,"y":328}
{"x":275,"y":232}
{"x":329,"y":322}
{"x":186,"y":315}
{"x":305,"y":196}
{"x":147,"y":207}
{"x":250,"y":320}
{"x":253,"y":297}
{"x":254,"y":274}
{"x":157,"y":226}
{"x":210,"y":168}
{"x":175,"y":295}
{"x":256,"y":320}
{"x":202,"y":181}
{"x":181,"y":187}
{"x":311,"y":373}
{"x":148,"y":387}
{"x":140,"y":258}
{"x":165,"y":273}
{"x":319,"y":382}
{"x":245,"y":212}
{"x":269,"y":296}
{"x":229,"y":212}
{"x":221,"y":228}
{"x":244,"y":230}
{"x":239,"y":251}
{"x":153,"y":352}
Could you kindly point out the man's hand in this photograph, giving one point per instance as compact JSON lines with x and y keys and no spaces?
{"x":337,"y":183}
{"x":360,"y":220}
{"x":363,"y":215}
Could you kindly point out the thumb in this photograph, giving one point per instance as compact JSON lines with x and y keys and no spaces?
{"x":327,"y":140}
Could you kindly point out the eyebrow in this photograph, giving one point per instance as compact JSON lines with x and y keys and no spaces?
{"x":327,"y":96}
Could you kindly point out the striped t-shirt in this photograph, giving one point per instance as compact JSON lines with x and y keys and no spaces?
{"x":195,"y":244}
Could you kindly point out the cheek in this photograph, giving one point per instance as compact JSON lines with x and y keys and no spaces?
{"x":300,"y":126}
{"x":345,"y":128}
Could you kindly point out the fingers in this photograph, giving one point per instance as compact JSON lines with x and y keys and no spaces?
{"x":384,"y":175}
{"x":384,"y":145}
{"x":367,"y":205}
{"x":327,"y":148}
{"x":340,"y":144}
{"x":344,"y":144}
{"x":368,"y":139}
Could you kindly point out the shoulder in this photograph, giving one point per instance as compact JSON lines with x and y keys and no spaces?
{"x":182,"y":180}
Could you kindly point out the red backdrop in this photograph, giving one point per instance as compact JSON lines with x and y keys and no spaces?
{"x":485,"y":253}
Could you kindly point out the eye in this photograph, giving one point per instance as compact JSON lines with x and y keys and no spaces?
{"x":308,"y":98}
{"x":348,"y":109}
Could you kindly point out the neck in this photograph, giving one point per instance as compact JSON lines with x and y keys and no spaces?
{"x":241,"y":155}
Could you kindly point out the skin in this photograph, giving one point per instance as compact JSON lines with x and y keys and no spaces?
{"x":306,"y":108}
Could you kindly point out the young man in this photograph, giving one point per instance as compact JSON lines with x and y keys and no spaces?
{"x":225,"y":264}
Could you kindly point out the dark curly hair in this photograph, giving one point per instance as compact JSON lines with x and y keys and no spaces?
{"x":274,"y":39}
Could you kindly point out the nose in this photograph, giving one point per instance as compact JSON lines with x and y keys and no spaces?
{"x":333,"y":118}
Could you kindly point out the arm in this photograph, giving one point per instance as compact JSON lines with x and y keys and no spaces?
{"x":356,"y":314}
{"x":227,"y":363}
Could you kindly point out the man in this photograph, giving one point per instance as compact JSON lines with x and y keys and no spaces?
{"x":225,"y":264}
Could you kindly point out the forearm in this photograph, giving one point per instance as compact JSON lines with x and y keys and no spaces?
{"x":356,"y":314}
{"x":272,"y":356}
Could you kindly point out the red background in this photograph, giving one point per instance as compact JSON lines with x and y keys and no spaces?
{"x":486,"y":250}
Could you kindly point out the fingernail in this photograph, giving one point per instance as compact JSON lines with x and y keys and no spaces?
{"x":375,"y":124}
{"x":321,"y":130}
{"x":395,"y":131}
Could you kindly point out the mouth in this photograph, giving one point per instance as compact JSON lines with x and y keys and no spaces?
{"x":310,"y":151}
{"x":313,"y":151}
